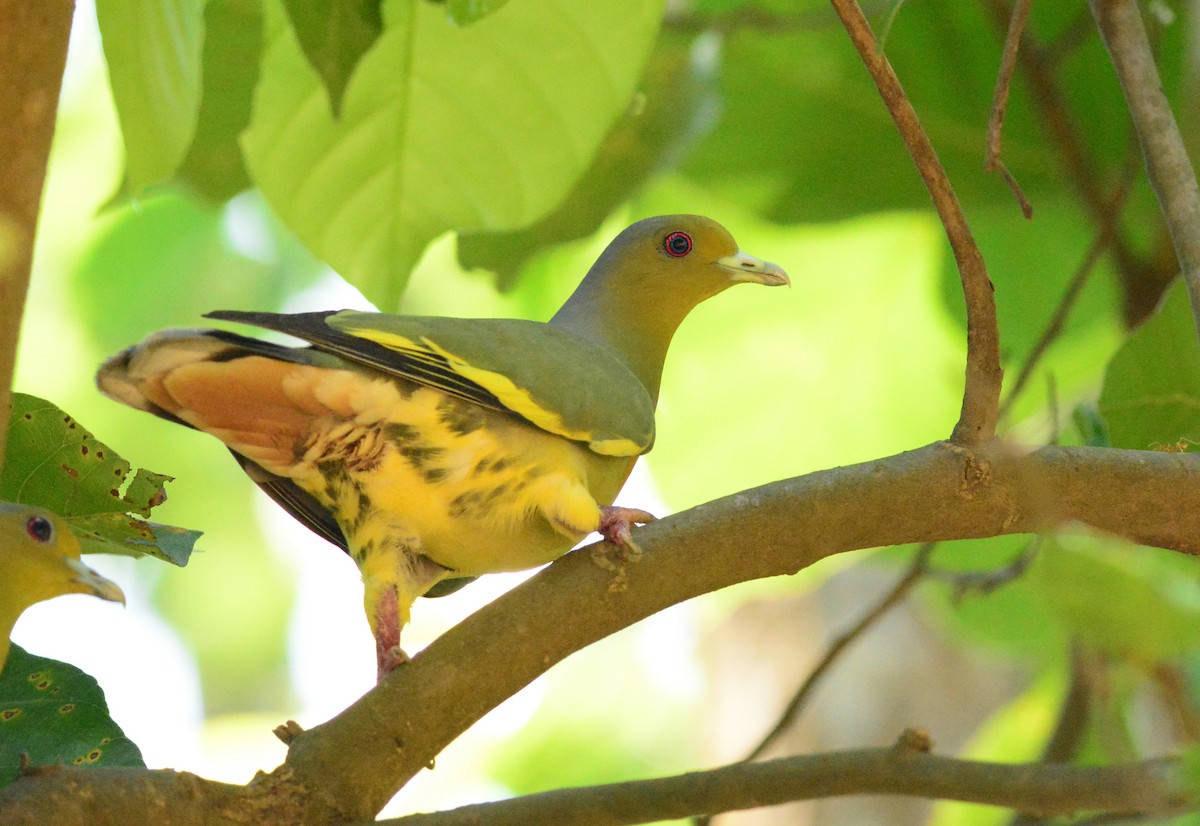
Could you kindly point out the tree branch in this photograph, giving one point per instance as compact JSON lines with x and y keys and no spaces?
{"x":1167,"y":163}
{"x":1047,"y":789}
{"x":1008,"y":64}
{"x":33,"y":52}
{"x":938,"y":492}
{"x":1141,"y":280}
{"x":981,"y":396}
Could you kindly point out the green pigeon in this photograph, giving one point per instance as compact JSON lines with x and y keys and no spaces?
{"x":39,"y":559}
{"x":435,"y":449}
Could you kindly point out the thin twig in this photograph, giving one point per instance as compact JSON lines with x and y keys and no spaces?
{"x":981,"y":395}
{"x":1141,"y":278}
{"x":900,"y":769}
{"x":986,"y":582}
{"x":1054,"y":328}
{"x":918,"y":569}
{"x":1008,"y":64}
{"x":1167,"y":163}
{"x":1173,"y":687}
{"x":1068,"y":733}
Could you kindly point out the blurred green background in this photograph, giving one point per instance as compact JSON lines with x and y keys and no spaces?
{"x":761,"y":116}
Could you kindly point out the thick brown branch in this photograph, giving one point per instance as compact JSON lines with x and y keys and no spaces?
{"x":65,"y":796}
{"x":1047,"y":789}
{"x":981,"y":396}
{"x":33,"y":52}
{"x":938,"y":492}
{"x":1167,"y":162}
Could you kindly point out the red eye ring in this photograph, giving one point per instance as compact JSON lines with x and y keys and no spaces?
{"x":677,"y":244}
{"x":39,"y":529}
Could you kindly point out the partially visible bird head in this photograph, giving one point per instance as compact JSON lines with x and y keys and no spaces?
{"x":39,"y":559}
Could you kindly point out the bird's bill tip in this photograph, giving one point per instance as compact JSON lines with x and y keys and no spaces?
{"x":746,"y":268}
{"x":92,"y":583}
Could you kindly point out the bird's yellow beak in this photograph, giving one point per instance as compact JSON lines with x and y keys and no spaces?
{"x":91,"y":582}
{"x":747,"y":268}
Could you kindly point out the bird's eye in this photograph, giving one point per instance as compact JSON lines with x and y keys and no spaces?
{"x":677,"y":244}
{"x":39,"y":529}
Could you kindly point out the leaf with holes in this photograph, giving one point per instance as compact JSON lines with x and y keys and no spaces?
{"x":54,"y":462}
{"x":57,"y":715}
{"x":484,"y":127}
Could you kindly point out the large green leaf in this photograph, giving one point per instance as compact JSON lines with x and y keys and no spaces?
{"x":676,"y":106}
{"x":177,"y":257}
{"x":55,"y":714}
{"x":1151,"y":395}
{"x":465,"y":12}
{"x":335,"y":34}
{"x":153,"y":49}
{"x":477,"y":128}
{"x":54,"y":462}
{"x":1128,"y":613}
{"x":214,"y":166}
{"x":803,"y":134}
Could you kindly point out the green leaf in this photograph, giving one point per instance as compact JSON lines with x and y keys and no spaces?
{"x":1032,"y":263}
{"x":175,"y":254}
{"x":56,"y":715}
{"x":465,"y":12}
{"x":478,"y":128}
{"x":1190,"y":769}
{"x":233,"y":35}
{"x":1119,"y":610}
{"x":335,"y":34}
{"x":153,"y":49}
{"x":675,"y":105}
{"x":1093,"y":430}
{"x":54,"y":462}
{"x":814,"y":143}
{"x":1151,"y":395}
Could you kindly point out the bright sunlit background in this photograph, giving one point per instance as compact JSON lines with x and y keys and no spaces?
{"x":861,"y":358}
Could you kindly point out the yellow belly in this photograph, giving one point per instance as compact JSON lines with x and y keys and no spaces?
{"x":474,"y":490}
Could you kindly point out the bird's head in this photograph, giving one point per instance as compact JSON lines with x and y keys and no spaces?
{"x":689,"y":257}
{"x":39,"y":559}
{"x":649,"y":278}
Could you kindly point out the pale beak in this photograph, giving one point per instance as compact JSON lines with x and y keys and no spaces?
{"x":93,"y":583}
{"x":747,"y":268}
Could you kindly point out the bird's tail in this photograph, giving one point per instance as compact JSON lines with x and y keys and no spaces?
{"x":137,"y":376}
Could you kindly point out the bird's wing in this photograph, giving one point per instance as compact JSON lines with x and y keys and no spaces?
{"x":547,"y":376}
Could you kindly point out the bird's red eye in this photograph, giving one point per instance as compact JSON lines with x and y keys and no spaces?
{"x":677,"y":244}
{"x":39,"y":529}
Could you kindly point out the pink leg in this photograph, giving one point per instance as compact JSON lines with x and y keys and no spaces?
{"x":388,"y":653}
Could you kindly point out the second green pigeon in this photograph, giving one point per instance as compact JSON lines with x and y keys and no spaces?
{"x":434,"y":449}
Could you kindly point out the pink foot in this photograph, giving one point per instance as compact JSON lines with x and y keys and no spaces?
{"x":615,"y":524}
